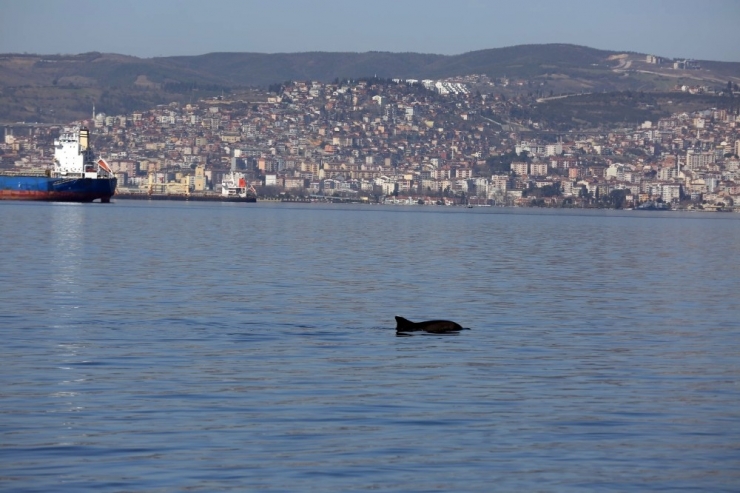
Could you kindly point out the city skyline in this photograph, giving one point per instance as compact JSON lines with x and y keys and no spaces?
{"x":395,"y":143}
{"x":676,"y":29}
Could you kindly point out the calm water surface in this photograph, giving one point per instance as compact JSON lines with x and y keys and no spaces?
{"x":230,"y":347}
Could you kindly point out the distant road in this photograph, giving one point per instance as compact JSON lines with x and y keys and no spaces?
{"x":493,"y":121}
{"x":550,"y":98}
{"x":508,"y":126}
{"x":30,"y":125}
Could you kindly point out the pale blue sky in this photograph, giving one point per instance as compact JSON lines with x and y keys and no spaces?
{"x":701,"y":29}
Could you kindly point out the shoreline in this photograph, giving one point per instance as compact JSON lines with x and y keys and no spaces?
{"x":183,"y":197}
{"x":252,"y":199}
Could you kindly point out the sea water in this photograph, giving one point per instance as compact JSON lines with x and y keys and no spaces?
{"x":175,"y":346}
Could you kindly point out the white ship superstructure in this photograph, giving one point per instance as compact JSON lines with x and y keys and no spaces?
{"x":73,"y":156}
{"x":235,"y":185}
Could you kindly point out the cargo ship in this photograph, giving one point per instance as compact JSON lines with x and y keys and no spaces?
{"x":76,"y":176}
{"x":234,"y":188}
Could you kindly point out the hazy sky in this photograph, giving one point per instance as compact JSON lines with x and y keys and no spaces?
{"x":701,"y":29}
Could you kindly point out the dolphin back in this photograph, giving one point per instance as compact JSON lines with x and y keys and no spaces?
{"x":403,"y":325}
{"x":431,"y":326}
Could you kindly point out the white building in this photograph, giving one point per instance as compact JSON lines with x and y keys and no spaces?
{"x":670,"y":193}
{"x":538,"y":169}
{"x":696,"y":159}
{"x":500,"y":182}
{"x":531,"y":148}
{"x":554,"y":149}
{"x":520,"y":168}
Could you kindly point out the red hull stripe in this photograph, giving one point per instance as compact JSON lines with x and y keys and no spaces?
{"x":59,"y":196}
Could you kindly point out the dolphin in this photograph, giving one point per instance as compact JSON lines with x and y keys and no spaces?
{"x":431,"y":326}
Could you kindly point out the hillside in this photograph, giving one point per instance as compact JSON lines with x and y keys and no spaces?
{"x":58,"y":88}
{"x":619,"y":108}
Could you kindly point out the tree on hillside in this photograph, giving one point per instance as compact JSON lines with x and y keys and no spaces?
{"x":546,"y":191}
{"x":501,"y":164}
{"x":617,"y":198}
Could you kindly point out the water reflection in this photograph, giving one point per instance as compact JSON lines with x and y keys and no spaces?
{"x":66,"y":259}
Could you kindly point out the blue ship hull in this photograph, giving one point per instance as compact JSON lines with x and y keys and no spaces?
{"x":30,"y":187}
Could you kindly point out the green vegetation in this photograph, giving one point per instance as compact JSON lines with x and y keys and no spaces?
{"x":59,"y":104}
{"x":546,"y":191}
{"x":501,"y":164}
{"x":625,"y":108}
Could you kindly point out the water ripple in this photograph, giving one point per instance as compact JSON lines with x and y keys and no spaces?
{"x":176,"y":346}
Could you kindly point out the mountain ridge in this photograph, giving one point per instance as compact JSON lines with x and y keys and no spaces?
{"x":60,"y":87}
